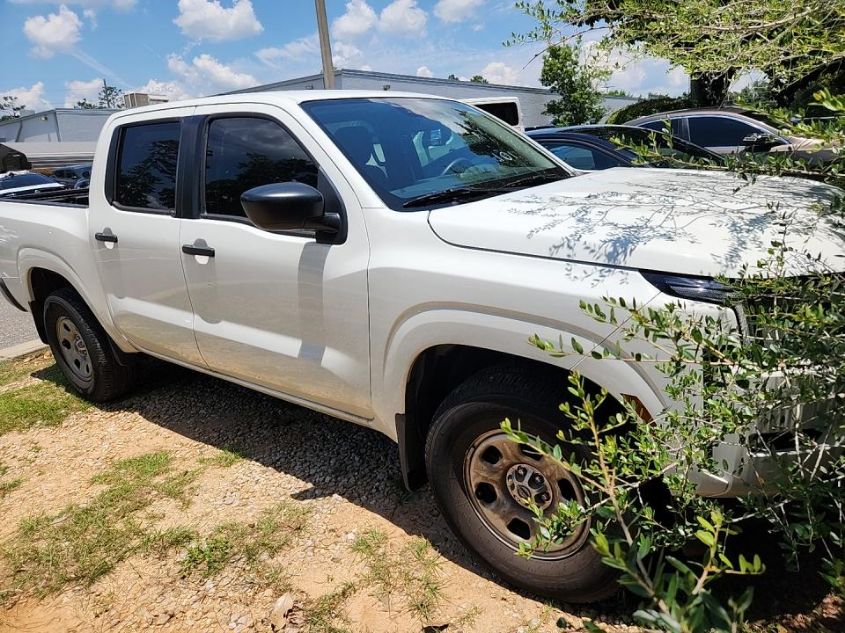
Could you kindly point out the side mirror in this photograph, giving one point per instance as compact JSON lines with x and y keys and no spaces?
{"x":288,"y":206}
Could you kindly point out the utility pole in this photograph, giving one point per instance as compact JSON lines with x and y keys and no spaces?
{"x":325,"y":45}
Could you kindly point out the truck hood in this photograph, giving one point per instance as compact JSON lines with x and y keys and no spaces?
{"x":669,"y":220}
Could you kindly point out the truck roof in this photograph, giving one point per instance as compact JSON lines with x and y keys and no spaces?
{"x":278,"y":97}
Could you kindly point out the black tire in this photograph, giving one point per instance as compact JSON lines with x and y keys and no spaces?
{"x":475,"y":410}
{"x":110,"y":373}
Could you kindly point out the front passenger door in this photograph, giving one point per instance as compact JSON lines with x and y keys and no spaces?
{"x":277,"y":310}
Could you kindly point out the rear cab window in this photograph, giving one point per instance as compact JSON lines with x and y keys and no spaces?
{"x":145,"y":170}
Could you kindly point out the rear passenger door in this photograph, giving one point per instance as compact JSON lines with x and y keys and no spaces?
{"x":276,"y":309}
{"x":135,"y":238}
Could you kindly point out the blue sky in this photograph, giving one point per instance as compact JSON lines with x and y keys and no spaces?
{"x":197,"y":47}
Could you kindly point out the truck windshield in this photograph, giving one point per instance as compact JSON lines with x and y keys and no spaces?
{"x":421,"y":153}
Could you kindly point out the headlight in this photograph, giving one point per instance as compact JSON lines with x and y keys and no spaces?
{"x":704,"y":289}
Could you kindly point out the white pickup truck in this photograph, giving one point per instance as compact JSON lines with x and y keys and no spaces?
{"x":383,"y":258}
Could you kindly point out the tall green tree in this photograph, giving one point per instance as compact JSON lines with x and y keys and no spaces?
{"x":792,"y":42}
{"x":110,"y":96}
{"x":576,"y":82}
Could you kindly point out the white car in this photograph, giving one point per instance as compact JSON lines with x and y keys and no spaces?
{"x":384,"y":258}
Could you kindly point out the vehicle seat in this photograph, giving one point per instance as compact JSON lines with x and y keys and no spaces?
{"x":357,"y":142}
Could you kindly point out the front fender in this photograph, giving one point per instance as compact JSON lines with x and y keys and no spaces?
{"x":508,"y":334}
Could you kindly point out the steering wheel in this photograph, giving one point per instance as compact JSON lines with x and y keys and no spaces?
{"x":450,"y":168}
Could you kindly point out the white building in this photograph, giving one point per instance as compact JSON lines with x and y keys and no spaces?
{"x":59,"y":125}
{"x":532,"y":101}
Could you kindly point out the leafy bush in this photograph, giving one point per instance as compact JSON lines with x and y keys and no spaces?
{"x":767,"y":377}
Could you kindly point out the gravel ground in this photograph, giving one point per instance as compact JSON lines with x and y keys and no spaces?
{"x":346,"y":477}
{"x":15,"y":326}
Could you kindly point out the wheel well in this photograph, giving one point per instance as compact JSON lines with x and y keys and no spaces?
{"x":43,"y":283}
{"x":434,"y":374}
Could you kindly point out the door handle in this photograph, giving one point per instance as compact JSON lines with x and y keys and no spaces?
{"x":106,"y":237}
{"x":191,"y":249}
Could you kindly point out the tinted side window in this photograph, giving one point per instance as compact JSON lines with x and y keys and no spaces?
{"x":146,"y":166}
{"x":713,"y":131}
{"x":242,"y":153}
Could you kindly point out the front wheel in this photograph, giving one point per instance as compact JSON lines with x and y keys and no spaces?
{"x":483,"y":483}
{"x":83,"y":351}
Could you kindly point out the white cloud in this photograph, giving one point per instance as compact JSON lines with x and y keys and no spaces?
{"x":120,"y":5}
{"x":347,"y":56}
{"x":209,"y":20}
{"x":456,"y":10}
{"x":78,"y":90}
{"x":424,"y":71}
{"x":400,"y":17}
{"x":356,"y":21}
{"x":295,"y":50}
{"x":500,"y":73}
{"x":173,"y":90}
{"x":307,"y":49}
{"x":403,"y":17}
{"x":644,"y":75}
{"x":55,"y":32}
{"x":205,"y":74}
{"x":31,"y":98}
{"x":91,"y":16}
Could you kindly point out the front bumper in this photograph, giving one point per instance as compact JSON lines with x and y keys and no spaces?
{"x":802,"y":442}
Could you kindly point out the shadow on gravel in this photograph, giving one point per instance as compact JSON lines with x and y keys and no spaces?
{"x":362,"y":466}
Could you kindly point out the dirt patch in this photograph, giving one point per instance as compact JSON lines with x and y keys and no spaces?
{"x":242,"y":499}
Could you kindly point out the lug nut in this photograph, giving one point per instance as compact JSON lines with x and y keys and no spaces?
{"x":536,"y":480}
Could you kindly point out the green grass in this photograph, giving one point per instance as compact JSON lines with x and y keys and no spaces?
{"x":7,"y":486}
{"x":45,"y":403}
{"x":14,"y":370}
{"x":162,"y":542}
{"x":408,"y":577}
{"x":229,"y":542}
{"x":326,"y":614}
{"x":224,"y":458}
{"x":81,"y":543}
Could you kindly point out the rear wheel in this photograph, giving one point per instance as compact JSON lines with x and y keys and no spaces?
{"x":83,"y":351}
{"x":483,"y":483}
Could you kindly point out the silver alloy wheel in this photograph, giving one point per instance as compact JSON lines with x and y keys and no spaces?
{"x":504,"y":477}
{"x":73,"y":350}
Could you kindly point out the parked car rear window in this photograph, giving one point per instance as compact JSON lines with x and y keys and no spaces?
{"x":718,"y":131}
{"x":246,"y":152}
{"x":582,"y":157}
{"x":506,"y":111}
{"x":146,"y":172}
